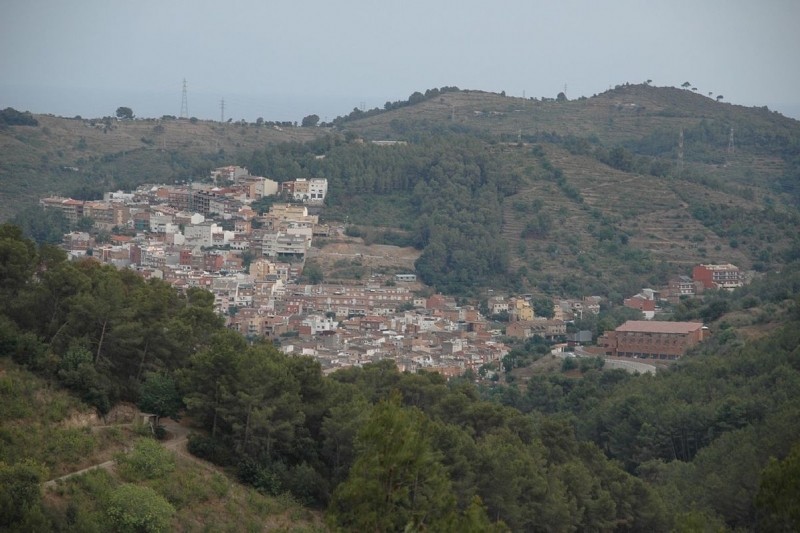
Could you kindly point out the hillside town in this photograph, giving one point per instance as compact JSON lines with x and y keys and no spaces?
{"x":208,"y":235}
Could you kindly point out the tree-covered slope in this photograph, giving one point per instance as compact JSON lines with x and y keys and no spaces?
{"x":378,"y":449}
{"x":702,"y":432}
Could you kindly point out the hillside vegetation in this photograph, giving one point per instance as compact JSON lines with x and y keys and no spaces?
{"x":551,"y":195}
{"x":46,"y":433}
{"x":84,"y":157}
{"x":711,"y":443}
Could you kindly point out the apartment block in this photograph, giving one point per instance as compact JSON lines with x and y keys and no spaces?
{"x":725,"y":276}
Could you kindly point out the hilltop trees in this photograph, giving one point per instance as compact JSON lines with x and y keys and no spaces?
{"x":124,"y":113}
{"x":310,"y":121}
{"x":11,"y":117}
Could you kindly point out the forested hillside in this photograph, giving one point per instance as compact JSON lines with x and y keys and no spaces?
{"x":563,"y":197}
{"x":550,"y":196}
{"x":377,"y":449}
{"x":595,"y":195}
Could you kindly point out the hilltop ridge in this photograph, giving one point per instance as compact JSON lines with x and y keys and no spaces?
{"x":635,"y":183}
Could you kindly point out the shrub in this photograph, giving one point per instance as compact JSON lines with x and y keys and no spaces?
{"x":138,"y":509}
{"x":148,"y":460}
{"x":262,"y":477}
{"x":209,"y":449}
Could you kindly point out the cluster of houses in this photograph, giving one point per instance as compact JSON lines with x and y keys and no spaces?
{"x":664,"y":340}
{"x":208,"y":236}
{"x":350,"y":325}
{"x":704,"y":277}
{"x":205,"y":235}
{"x":197,"y":227}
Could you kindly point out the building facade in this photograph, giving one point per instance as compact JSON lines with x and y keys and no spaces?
{"x":718,"y":276}
{"x":652,"y":339}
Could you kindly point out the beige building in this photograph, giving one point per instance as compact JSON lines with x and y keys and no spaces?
{"x":548,"y":329}
{"x":106,"y":215}
{"x":520,"y":309}
{"x":72,"y":209}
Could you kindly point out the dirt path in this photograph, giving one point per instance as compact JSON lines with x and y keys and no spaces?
{"x":176,"y":442}
{"x":108,"y":465}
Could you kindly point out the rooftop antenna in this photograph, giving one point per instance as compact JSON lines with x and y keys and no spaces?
{"x":184,"y":102}
{"x":222,"y":110}
{"x":680,"y":152}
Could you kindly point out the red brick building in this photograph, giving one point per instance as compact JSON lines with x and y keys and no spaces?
{"x":683,"y":287}
{"x":646,"y":305}
{"x":718,"y":276}
{"x":650,"y":339}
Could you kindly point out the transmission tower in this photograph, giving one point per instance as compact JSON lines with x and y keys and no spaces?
{"x":222,"y":110}
{"x":680,"y":151}
{"x":184,"y":102}
{"x":729,"y":153}
{"x":730,"y":142}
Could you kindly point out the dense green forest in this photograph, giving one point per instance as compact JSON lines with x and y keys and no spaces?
{"x":711,"y":443}
{"x":444,"y":191}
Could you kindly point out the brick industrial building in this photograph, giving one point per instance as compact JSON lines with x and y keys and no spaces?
{"x":648,"y":339}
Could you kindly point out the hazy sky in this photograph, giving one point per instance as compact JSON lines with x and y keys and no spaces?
{"x":284,"y":60}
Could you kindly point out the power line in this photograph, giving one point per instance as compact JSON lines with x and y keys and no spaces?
{"x":222,"y":110}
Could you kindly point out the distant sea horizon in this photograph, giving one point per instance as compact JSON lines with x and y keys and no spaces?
{"x":98,"y":103}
